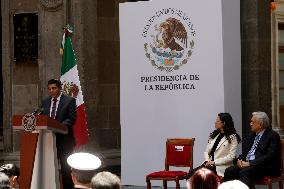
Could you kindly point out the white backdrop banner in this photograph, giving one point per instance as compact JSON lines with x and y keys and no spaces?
{"x":171,"y":80}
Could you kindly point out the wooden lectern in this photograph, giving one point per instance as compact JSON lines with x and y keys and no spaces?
{"x":38,"y":154}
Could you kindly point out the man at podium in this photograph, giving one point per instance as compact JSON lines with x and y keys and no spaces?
{"x":63,"y":109}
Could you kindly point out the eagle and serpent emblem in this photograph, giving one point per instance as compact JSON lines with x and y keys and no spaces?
{"x":29,"y":122}
{"x":70,"y":89}
{"x":168,"y":48}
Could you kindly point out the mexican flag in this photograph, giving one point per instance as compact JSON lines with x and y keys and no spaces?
{"x":71,"y":86}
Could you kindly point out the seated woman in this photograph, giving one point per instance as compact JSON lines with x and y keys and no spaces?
{"x":203,"y":179}
{"x":222,"y":144}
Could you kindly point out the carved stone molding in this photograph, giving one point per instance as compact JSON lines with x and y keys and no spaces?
{"x":51,"y":5}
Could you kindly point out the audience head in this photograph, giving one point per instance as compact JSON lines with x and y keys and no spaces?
{"x":203,"y":179}
{"x":83,"y":167}
{"x":4,"y":181}
{"x":105,"y":180}
{"x":233,"y":184}
{"x":13,"y":172}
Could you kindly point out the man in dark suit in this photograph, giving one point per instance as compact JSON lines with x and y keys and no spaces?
{"x":63,"y":109}
{"x":262,"y":158}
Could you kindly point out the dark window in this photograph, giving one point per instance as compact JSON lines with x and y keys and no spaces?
{"x":25,"y":37}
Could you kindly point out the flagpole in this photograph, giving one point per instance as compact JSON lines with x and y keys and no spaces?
{"x":69,"y":12}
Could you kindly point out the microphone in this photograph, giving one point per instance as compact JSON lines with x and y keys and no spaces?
{"x":34,"y":112}
{"x":38,"y":111}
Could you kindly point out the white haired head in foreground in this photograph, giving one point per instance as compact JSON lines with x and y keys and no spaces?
{"x":105,"y":180}
{"x":233,"y":184}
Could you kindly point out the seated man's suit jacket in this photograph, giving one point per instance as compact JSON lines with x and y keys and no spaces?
{"x":267,"y":153}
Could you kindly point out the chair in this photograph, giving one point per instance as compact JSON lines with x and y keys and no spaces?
{"x":268,"y":180}
{"x":179,"y":153}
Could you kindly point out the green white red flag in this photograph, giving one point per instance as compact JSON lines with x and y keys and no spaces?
{"x":71,"y":86}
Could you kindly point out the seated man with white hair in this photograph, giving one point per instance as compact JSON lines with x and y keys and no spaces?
{"x":262,"y":158}
{"x":233,"y":184}
{"x":105,"y":180}
{"x":83,"y":167}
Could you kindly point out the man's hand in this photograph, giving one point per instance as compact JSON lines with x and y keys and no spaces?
{"x":245,"y":164}
{"x":239,"y":163}
{"x":242,"y":164}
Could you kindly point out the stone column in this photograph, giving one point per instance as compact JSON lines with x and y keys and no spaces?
{"x":256,"y":60}
{"x":51,"y":23}
{"x":276,"y":17}
{"x":7,"y":78}
{"x":84,"y":18}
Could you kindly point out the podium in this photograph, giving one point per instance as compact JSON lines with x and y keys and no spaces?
{"x":38,"y":154}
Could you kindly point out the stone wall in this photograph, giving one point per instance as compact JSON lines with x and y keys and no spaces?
{"x":96,"y":45}
{"x":25,"y":82}
{"x":256,"y":60}
{"x":108,"y":119}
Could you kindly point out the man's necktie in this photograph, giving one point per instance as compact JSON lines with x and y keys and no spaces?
{"x":53,"y":109}
{"x":252,"y":150}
